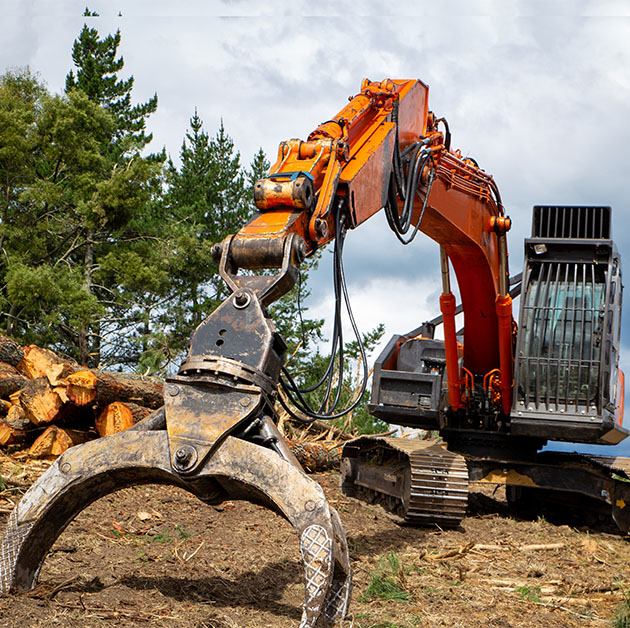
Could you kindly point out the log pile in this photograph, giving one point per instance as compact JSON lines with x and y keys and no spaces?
{"x":50,"y":403}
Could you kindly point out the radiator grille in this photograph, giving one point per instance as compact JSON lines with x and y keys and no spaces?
{"x":562,"y":318}
{"x":552,"y":221}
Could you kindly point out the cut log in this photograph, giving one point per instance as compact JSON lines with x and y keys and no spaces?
{"x":55,"y":440}
{"x":138,"y":412}
{"x":10,"y":436}
{"x":8,"y":369}
{"x":10,"y":351}
{"x":38,"y":362}
{"x":40,"y":402}
{"x":10,"y":380}
{"x":100,"y":388}
{"x":316,"y":456}
{"x":116,"y":417}
{"x":17,"y":419}
{"x":61,"y":391}
{"x":57,"y":373}
{"x":5,"y":406}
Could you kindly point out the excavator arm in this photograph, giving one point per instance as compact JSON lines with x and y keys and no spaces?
{"x":385,"y":150}
{"x":216,"y":436}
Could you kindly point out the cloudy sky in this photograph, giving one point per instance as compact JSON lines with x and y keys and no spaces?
{"x":538,"y":92}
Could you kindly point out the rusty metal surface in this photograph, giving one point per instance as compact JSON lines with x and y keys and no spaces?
{"x":590,"y":482}
{"x":237,"y":470}
{"x":238,"y":330}
{"x":198,"y":417}
{"x":228,"y":380}
{"x":236,"y":252}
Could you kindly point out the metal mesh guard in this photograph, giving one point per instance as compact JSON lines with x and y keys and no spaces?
{"x":316,"y":549}
{"x":11,"y":544}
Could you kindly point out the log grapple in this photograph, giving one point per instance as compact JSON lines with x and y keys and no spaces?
{"x":215,"y":437}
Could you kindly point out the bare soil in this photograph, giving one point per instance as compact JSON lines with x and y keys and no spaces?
{"x":156,"y":556}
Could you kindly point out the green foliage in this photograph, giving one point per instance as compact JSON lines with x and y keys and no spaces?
{"x":75,"y":192}
{"x":621,"y":618}
{"x":530,"y":593}
{"x":181,"y":533}
{"x":50,"y":299}
{"x":106,"y":253}
{"x":161,"y":537}
{"x":388,"y":581}
{"x":96,"y":76}
{"x":301,"y":333}
{"x":206,"y":199}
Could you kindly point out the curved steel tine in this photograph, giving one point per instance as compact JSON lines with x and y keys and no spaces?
{"x":238,"y":469}
{"x":341,"y":587}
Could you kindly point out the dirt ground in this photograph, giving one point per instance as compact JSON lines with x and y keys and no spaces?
{"x":156,"y":556}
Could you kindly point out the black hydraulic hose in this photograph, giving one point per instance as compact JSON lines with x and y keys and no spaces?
{"x":398,"y":167}
{"x":424,"y":207}
{"x":447,"y":136}
{"x":400,"y":224}
{"x":337,"y":334}
{"x":294,"y":393}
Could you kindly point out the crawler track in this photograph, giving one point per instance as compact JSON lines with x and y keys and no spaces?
{"x":420,"y":483}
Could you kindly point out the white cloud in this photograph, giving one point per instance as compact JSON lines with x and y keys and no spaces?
{"x":537,"y":94}
{"x":398,"y":303}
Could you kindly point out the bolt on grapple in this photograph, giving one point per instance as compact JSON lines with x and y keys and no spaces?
{"x":215,"y":437}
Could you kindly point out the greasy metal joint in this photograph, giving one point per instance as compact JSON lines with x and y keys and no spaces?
{"x":185,"y":457}
{"x":259,"y":253}
{"x":286,"y":189}
{"x":321,"y":227}
{"x":241,"y":299}
{"x":343,"y":150}
{"x":251,"y":253}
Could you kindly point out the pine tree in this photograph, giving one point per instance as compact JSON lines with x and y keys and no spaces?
{"x":78,"y":199}
{"x":258,"y":169}
{"x":206,"y":200}
{"x":97,"y":65}
{"x":97,"y":68}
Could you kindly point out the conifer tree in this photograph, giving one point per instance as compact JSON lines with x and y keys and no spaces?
{"x":78,"y":229}
{"x":206,"y":200}
{"x":97,"y":67}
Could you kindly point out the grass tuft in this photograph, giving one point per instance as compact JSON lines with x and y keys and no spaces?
{"x":388,"y":580}
{"x":622,"y":614}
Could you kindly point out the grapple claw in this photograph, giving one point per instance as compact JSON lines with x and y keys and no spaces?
{"x":237,"y":470}
{"x":215,"y":438}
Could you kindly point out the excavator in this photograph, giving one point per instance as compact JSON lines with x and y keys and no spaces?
{"x":494,"y":391}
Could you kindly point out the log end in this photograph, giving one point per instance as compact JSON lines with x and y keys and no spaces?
{"x":116,"y":417}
